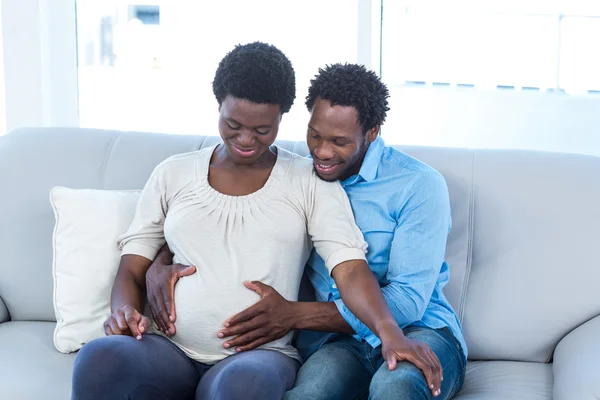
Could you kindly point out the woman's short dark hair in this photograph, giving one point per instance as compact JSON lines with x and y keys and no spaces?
{"x":257,"y":72}
{"x":351,"y":85}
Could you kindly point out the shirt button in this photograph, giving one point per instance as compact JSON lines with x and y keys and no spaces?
{"x":334,"y":286}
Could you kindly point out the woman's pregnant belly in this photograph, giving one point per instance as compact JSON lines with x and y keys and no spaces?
{"x":202,"y":308}
{"x":224,"y":259}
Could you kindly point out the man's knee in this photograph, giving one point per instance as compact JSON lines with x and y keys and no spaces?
{"x":405,"y":382}
{"x":312,"y":379}
{"x":334,"y":371}
{"x":307,"y":392}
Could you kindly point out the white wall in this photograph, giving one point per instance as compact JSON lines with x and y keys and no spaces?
{"x":494,"y":119}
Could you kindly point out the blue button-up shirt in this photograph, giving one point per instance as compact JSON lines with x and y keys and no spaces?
{"x":401,"y":205}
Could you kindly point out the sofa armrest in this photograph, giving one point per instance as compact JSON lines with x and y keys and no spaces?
{"x":4,"y":316}
{"x":577,"y":363}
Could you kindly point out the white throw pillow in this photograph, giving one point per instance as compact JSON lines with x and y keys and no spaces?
{"x":86,"y":259}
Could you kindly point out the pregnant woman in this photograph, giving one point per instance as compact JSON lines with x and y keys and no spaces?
{"x":239,"y":211}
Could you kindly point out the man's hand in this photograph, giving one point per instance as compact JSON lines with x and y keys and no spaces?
{"x":271,"y":318}
{"x":161,"y":278}
{"x":397,"y":347}
{"x":126,"y":321}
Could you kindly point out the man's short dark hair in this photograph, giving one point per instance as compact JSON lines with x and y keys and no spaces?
{"x":257,"y":72}
{"x":351,"y":85}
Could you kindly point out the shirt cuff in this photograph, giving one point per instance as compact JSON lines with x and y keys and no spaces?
{"x":362,"y":331}
{"x":343,"y":255}
{"x":140,"y":249}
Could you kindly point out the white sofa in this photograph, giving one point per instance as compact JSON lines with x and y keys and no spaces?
{"x":524,"y":255}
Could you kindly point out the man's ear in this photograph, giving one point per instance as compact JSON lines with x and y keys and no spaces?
{"x":373,"y":133}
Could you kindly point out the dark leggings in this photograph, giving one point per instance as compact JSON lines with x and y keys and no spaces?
{"x":120,"y":367}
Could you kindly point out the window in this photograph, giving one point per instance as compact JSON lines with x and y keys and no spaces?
{"x":580,"y":58}
{"x":149,"y":66}
{"x":519,"y":74}
{"x":514,"y":44}
{"x":478,"y":73}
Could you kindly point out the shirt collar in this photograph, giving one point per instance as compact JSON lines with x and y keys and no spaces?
{"x":370,"y":164}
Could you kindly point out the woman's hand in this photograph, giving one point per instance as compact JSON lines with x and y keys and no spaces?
{"x":397,"y":347}
{"x":127,"y":321}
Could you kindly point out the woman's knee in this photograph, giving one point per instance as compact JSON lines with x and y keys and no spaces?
{"x":119,"y":367}
{"x":260,"y":377}
{"x":97,"y":354}
{"x":98,"y":363}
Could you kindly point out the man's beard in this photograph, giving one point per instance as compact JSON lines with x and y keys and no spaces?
{"x":348,"y":165}
{"x":322,"y":178}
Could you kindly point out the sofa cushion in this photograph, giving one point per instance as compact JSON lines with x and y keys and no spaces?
{"x":520,"y":234}
{"x":30,"y":366}
{"x":535,"y":252}
{"x":577,"y":363}
{"x":89,"y":223}
{"x":501,"y":380}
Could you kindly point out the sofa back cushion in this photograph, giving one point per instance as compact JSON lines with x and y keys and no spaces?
{"x":522,"y":251}
{"x":535,"y":272}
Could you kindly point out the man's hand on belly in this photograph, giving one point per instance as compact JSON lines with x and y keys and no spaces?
{"x":161,"y":278}
{"x":271,"y":318}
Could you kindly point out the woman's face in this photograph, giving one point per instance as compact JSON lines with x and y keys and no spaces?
{"x":248,"y":129}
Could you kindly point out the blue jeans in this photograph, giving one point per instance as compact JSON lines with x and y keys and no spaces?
{"x":345,"y":368}
{"x":120,"y":367}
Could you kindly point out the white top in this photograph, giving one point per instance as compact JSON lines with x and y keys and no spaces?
{"x":265,"y":236}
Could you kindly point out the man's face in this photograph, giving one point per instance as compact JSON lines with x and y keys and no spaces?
{"x":336,"y":140}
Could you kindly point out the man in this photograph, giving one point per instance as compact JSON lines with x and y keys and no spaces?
{"x":401,"y":205}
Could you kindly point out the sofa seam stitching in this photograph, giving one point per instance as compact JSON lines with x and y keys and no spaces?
{"x":202,"y":144}
{"x":470,"y":239}
{"x":59,"y":317}
{"x":107,"y":158}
